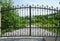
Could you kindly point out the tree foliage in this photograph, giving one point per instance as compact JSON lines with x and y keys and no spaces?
{"x":10,"y":18}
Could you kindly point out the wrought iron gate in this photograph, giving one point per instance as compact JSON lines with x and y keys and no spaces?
{"x":33,"y":21}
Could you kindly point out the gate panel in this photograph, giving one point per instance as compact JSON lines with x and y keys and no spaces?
{"x":18,"y":22}
{"x":43,"y":22}
{"x":30,"y":21}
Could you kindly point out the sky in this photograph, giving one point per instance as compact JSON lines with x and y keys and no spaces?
{"x":54,"y":3}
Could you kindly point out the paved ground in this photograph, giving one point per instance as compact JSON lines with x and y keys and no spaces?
{"x":29,"y":39}
{"x":52,"y":38}
{"x":34,"y":32}
{"x":21,"y":39}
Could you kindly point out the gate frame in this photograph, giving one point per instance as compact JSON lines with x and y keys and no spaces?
{"x":30,"y":16}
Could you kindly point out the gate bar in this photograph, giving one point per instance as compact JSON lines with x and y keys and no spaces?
{"x":30,"y":18}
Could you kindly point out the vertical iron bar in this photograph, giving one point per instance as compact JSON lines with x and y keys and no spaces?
{"x":42,"y":20}
{"x":27,"y":17}
{"x":30,"y":18}
{"x":47,"y":23}
{"x":20,"y":19}
{"x":52,"y":19}
{"x":57,"y":28}
{"x":35,"y":16}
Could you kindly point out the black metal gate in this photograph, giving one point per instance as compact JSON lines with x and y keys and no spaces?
{"x":33,"y":21}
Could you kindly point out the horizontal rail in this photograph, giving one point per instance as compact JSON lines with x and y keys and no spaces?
{"x":28,"y":7}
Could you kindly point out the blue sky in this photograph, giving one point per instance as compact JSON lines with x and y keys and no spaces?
{"x":50,"y":3}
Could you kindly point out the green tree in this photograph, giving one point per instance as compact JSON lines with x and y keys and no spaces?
{"x":10,"y":18}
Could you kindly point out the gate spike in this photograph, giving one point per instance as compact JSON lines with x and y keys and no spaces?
{"x":42,"y":5}
{"x":17,"y":5}
{"x":13,"y":6}
{"x":52,"y":7}
{"x":22,"y":5}
{"x":27,"y":5}
{"x":32,"y":4}
{"x":47,"y":5}
{"x":57,"y":8}
{"x":37,"y":5}
{"x":49,"y":8}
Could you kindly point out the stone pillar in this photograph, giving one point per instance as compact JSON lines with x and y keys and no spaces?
{"x":0,"y":20}
{"x":0,"y":16}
